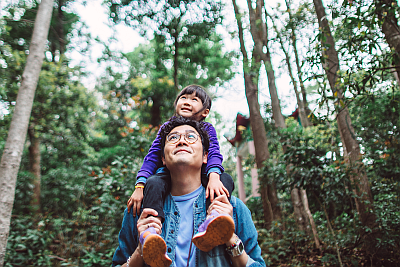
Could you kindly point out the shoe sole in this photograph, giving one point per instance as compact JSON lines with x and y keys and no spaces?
{"x":218,"y":232}
{"x":154,"y":252}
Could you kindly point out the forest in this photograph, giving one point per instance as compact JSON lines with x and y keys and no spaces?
{"x":329,"y":174}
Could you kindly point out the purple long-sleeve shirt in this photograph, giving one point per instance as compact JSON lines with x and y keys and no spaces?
{"x":152,"y":161}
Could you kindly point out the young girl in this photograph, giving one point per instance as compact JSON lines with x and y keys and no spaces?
{"x":153,"y":180}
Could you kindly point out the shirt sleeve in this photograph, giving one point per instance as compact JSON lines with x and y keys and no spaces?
{"x":127,"y":239}
{"x":214,"y":158}
{"x":247,"y":232}
{"x":152,"y":161}
{"x":214,"y":169}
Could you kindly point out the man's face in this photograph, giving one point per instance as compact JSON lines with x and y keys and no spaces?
{"x":182,"y":152}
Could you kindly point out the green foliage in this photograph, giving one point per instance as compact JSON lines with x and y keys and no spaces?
{"x":82,"y":209}
{"x":313,"y":160}
{"x":183,"y":49}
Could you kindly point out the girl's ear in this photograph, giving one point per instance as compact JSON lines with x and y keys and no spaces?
{"x":205,"y":157}
{"x":205,"y":113}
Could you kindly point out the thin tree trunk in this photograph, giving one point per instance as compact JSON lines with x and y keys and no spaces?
{"x":305,"y":122}
{"x":275,"y":102}
{"x":298,"y":206}
{"x":358,"y":175}
{"x":155,"y":112}
{"x":251,"y":73}
{"x":387,"y":14}
{"x":310,"y":217}
{"x":34,"y":160}
{"x":60,"y":27}
{"x":11,"y":159}
{"x":297,"y":60}
{"x":332,"y":232}
{"x":304,"y":105}
{"x":176,"y":54}
{"x":260,"y":37}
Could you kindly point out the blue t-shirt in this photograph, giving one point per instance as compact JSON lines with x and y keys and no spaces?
{"x":185,"y":233}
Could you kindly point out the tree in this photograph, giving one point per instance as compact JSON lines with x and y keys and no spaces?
{"x":177,"y":25}
{"x":292,"y":25}
{"x":305,"y":122}
{"x":251,"y":68}
{"x":187,"y":48}
{"x":156,"y":88}
{"x":330,"y":63}
{"x":18,"y":38}
{"x":259,"y":33}
{"x":386,"y":11}
{"x":12,"y":153}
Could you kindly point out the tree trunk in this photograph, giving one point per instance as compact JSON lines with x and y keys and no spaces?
{"x":260,"y":37}
{"x":297,"y":60}
{"x":251,"y":73}
{"x":387,"y":13}
{"x":304,"y":111}
{"x":275,"y":102}
{"x":60,"y":27}
{"x":11,"y":159}
{"x":298,"y":208}
{"x":155,"y":111}
{"x":34,"y":161}
{"x":305,"y":122}
{"x":358,"y":175}
{"x":176,"y":54}
{"x":300,"y":77}
{"x":304,"y":199}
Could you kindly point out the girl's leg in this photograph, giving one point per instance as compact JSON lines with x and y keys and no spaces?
{"x":218,"y":228}
{"x":155,"y":191}
{"x":226,"y":180}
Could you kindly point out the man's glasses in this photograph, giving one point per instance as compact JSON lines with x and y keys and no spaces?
{"x":190,"y":137}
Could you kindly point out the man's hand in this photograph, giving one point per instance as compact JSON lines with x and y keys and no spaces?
{"x":147,"y":219}
{"x":144,"y":222}
{"x":222,"y":205}
{"x":215,"y":186}
{"x":136,"y":200}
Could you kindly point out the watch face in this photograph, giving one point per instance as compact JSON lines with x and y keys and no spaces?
{"x":241,"y":247}
{"x":238,"y":249}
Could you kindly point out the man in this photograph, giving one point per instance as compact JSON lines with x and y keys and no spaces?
{"x":185,"y":144}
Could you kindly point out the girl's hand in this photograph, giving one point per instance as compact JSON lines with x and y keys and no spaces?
{"x":215,"y":187}
{"x":136,"y":200}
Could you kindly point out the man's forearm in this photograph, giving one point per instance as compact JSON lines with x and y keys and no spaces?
{"x":136,"y":259}
{"x":238,"y":261}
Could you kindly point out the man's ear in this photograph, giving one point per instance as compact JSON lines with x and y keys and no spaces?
{"x":205,"y":113}
{"x":163,"y":160}
{"x":205,"y":155}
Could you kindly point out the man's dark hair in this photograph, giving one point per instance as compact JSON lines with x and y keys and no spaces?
{"x":176,"y":121}
{"x":200,"y":93}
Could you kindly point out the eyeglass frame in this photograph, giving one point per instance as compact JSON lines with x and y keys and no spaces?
{"x":180,"y":137}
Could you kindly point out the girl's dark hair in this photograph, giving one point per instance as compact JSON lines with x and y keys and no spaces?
{"x":176,"y":121}
{"x":200,"y":93}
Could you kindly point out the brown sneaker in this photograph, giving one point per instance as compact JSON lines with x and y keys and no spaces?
{"x":154,"y":249}
{"x":216,"y":230}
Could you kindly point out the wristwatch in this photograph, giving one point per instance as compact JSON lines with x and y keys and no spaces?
{"x":236,"y":249}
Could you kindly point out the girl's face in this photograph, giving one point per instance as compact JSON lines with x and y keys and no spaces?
{"x":188,"y":105}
